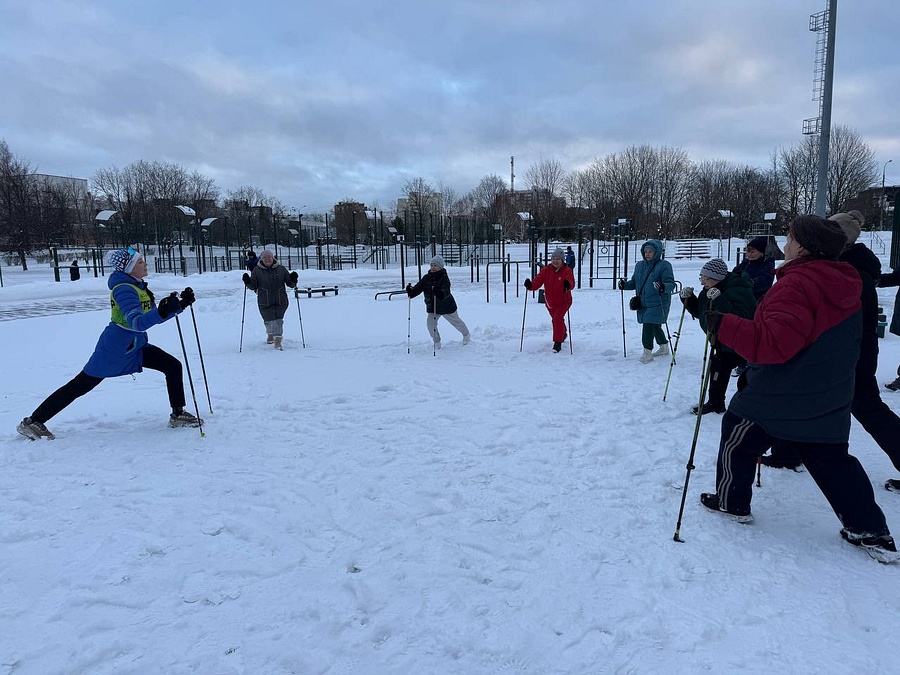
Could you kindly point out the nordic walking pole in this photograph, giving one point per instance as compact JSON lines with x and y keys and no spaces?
{"x":187,"y":366}
{"x":243,"y":312}
{"x":674,"y":349}
{"x":408,"y":322}
{"x":759,"y":471}
{"x":624,"y":349}
{"x":569,"y":320}
{"x":690,"y":462}
{"x":522,"y":339}
{"x":300,"y":316}
{"x":202,"y":364}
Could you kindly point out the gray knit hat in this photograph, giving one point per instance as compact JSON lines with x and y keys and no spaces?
{"x":851,"y":223}
{"x":715,"y":269}
{"x":821,"y":238}
{"x":438,"y":260}
{"x":558,"y":253}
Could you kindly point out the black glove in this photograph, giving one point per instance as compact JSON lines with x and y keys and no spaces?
{"x":246,"y":279}
{"x":528,"y":284}
{"x":713,"y":323}
{"x":409,"y":290}
{"x":621,"y":284}
{"x":294,"y":277}
{"x":169,"y":305}
{"x":660,"y":286}
{"x":566,"y":286}
{"x":187,"y":298}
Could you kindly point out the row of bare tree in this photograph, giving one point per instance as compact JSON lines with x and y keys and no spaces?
{"x":659,"y":190}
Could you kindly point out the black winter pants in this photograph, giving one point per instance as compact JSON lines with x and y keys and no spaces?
{"x":154,"y":359}
{"x":838,"y":474}
{"x":722,"y":365}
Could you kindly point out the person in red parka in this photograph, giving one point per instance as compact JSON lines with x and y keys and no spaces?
{"x":801,"y":346}
{"x":557,"y":280}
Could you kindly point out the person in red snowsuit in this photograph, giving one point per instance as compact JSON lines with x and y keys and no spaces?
{"x":557,"y":280}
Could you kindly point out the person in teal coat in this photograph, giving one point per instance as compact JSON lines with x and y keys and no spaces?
{"x":655,"y":282}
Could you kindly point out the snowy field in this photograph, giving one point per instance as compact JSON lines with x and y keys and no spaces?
{"x":357,"y":509}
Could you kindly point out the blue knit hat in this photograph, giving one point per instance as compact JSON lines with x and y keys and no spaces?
{"x":759,"y":243}
{"x":123,"y":261}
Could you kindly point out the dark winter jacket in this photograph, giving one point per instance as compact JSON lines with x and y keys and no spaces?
{"x":250,"y":262}
{"x":655,"y":303}
{"x":555,"y":295}
{"x":435,"y":286}
{"x":761,"y":272}
{"x":269,"y":283}
{"x":570,"y":259}
{"x":736,"y":298}
{"x":886,"y":281}
{"x":802,"y":345}
{"x":118,"y":351}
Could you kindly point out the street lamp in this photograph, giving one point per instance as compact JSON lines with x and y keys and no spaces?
{"x":881,"y":211}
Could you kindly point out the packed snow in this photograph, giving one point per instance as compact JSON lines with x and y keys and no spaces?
{"x":365,"y":505}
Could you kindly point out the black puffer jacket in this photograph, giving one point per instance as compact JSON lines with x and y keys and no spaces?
{"x":435,"y":286}
{"x":869,"y":267}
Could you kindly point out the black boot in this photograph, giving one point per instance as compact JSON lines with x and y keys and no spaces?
{"x":710,"y":407}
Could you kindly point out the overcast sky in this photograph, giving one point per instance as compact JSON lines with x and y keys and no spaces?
{"x":315,"y":102}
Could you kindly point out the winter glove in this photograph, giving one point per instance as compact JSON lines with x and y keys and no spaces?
{"x":712,"y":294}
{"x":169,"y":305}
{"x":566,"y":286}
{"x":409,"y":290}
{"x":187,"y":298}
{"x":246,"y":279}
{"x":713,"y":323}
{"x":621,"y":284}
{"x":686,"y":292}
{"x":293,"y":276}
{"x":528,"y":284}
{"x":660,"y":286}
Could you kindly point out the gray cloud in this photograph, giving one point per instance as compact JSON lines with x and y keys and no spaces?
{"x":326,"y":101}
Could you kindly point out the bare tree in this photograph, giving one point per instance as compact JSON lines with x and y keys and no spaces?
{"x":671,"y":187}
{"x":627,"y":179}
{"x":16,"y":191}
{"x":421,"y":201}
{"x":797,"y":177}
{"x":851,"y":167}
{"x":545,"y":179}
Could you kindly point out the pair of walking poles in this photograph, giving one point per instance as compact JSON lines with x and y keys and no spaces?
{"x":409,"y":328}
{"x":244,"y":313}
{"x":568,"y":323}
{"x":187,"y":366}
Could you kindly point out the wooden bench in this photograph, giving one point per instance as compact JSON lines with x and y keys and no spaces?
{"x":323,"y":290}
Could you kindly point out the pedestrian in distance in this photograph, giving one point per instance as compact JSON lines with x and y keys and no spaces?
{"x":654,"y":282}
{"x":729,"y":293}
{"x":251,"y":261}
{"x":123,"y":347}
{"x":74,"y":271}
{"x":557,"y":280}
{"x":268,"y":280}
{"x":802,"y":346}
{"x":434,"y":286}
{"x":570,"y":257}
{"x":757,"y":266}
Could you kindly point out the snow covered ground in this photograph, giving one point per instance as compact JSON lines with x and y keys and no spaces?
{"x":357,"y":509}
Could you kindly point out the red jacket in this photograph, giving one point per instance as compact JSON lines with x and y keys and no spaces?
{"x":552,"y":281}
{"x":818,"y":295}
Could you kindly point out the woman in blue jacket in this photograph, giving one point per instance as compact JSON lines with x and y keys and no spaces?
{"x":123,"y":347}
{"x":655,"y":282}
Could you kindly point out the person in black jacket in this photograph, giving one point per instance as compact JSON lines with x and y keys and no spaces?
{"x":439,"y":302}
{"x":870,"y":411}
{"x":268,"y":280}
{"x":729,"y":293}
{"x":757,"y":266}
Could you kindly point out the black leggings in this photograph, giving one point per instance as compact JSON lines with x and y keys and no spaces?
{"x":154,"y":359}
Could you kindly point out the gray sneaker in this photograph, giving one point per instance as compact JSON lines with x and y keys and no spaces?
{"x":184,"y":419}
{"x":34,"y":430}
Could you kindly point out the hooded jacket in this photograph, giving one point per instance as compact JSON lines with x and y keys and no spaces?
{"x":802,"y":346}
{"x":118,"y":351}
{"x":761,"y":272}
{"x":269,"y":283}
{"x":654,"y":303}
{"x":555,"y":295}
{"x":435,"y":286}
{"x":736,"y":298}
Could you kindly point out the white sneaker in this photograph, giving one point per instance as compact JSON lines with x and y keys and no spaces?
{"x":662,"y":351}
{"x":646,"y":357}
{"x":467,"y":339}
{"x":278,"y":343}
